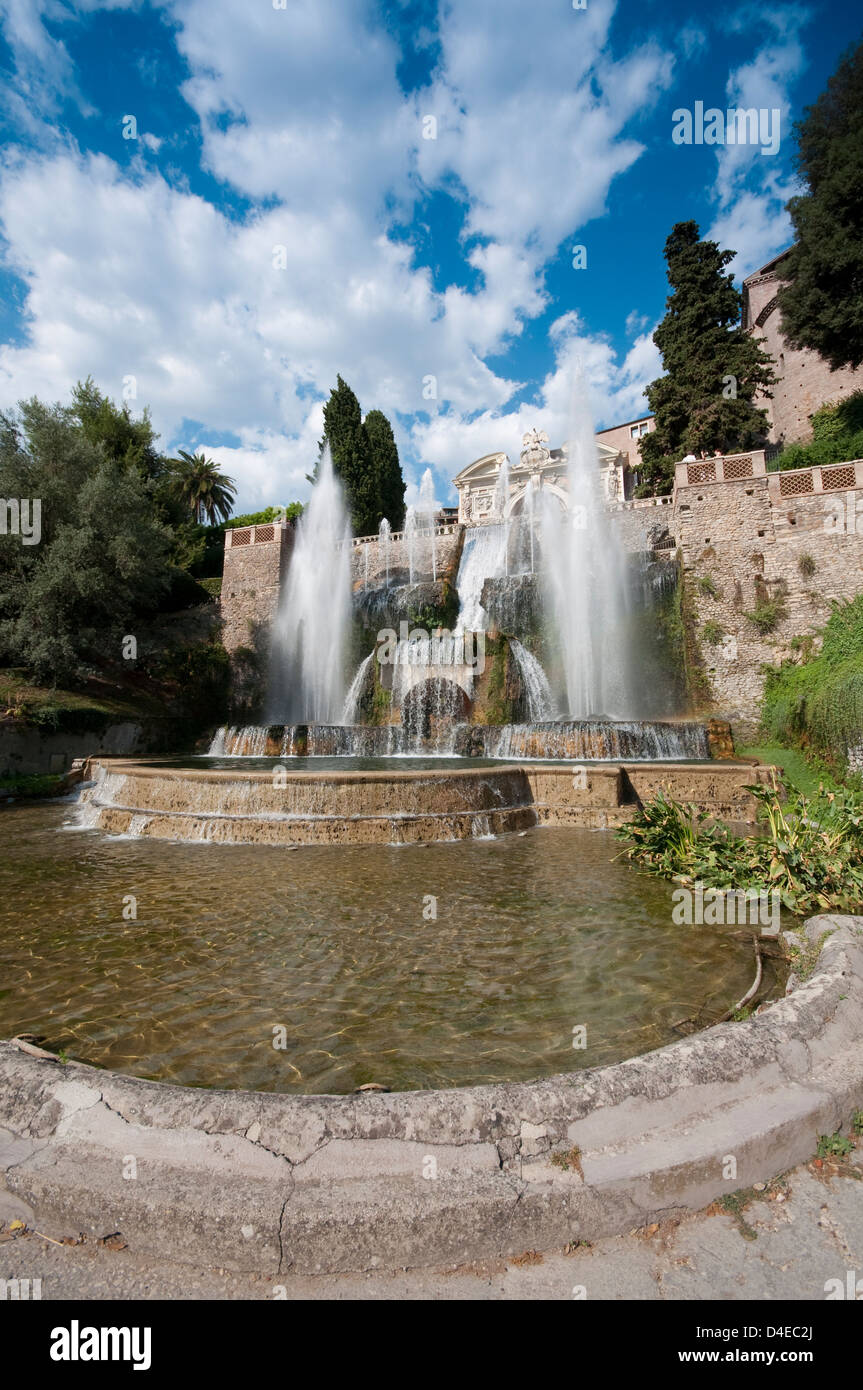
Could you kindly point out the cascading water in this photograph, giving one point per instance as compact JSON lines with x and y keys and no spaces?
{"x":483,"y":557}
{"x":540,"y":701}
{"x":585,"y":576}
{"x":307,"y":677}
{"x":352,"y":699}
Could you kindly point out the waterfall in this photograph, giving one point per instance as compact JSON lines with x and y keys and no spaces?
{"x":585,"y":574}
{"x":235,"y":742}
{"x":352,"y":699}
{"x":540,"y":701}
{"x":434,"y":728}
{"x":483,"y":557}
{"x":307,"y":680}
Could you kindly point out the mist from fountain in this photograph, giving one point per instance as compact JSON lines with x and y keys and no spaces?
{"x":310,"y":631}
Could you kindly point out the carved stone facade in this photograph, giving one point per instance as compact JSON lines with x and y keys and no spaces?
{"x":805,"y":381}
{"x":488,"y":492}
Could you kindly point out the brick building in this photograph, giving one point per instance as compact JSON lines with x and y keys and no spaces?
{"x":805,"y":380}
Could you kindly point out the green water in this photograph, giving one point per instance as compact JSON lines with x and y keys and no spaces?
{"x":534,"y":935}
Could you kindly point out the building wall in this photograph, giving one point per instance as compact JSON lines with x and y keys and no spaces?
{"x":619,"y":437}
{"x":747,"y":540}
{"x":250,"y":583}
{"x":805,"y":381}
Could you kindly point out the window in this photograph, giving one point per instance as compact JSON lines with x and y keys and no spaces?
{"x":633,"y":432}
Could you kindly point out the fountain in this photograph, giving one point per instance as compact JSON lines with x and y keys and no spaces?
{"x":458,"y":655}
{"x":585,"y":578}
{"x":310,"y":633}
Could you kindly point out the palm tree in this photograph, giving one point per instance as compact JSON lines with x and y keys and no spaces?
{"x":207,"y":492}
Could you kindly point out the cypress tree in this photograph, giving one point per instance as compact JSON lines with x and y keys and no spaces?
{"x":822,"y":305}
{"x":385,"y":460}
{"x":713,"y":367}
{"x":352,"y":458}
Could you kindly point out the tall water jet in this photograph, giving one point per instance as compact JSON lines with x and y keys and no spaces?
{"x":411,"y":541}
{"x":585,"y":575}
{"x":384,"y":544}
{"x":310,"y":630}
{"x":427,"y":510}
{"x":501,"y":497}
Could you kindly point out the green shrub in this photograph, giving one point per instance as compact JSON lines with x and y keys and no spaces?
{"x":807,"y":566}
{"x":810,"y":849}
{"x":706,"y":585}
{"x":766,"y":614}
{"x":712,"y":633}
{"x":819,"y":702}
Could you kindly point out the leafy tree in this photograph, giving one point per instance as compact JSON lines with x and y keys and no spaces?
{"x":112,"y":427}
{"x":352,"y":458}
{"x":102,"y":558}
{"x":713,"y":367}
{"x":822,"y":303}
{"x":385,"y":461}
{"x":207,"y":492}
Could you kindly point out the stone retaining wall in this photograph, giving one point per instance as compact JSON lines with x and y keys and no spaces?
{"x":320,"y":1184}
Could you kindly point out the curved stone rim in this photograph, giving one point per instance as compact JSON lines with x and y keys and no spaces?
{"x":318,"y":1184}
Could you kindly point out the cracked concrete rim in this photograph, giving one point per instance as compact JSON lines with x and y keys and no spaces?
{"x":329,"y":1184}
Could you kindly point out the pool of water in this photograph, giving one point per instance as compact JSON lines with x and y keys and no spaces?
{"x":422,"y":966}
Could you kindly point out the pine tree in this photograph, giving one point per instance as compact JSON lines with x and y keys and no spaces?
{"x":385,"y":460}
{"x":822,"y":305}
{"x":352,"y":458}
{"x":713,"y":367}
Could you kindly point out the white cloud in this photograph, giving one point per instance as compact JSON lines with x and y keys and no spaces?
{"x":615,"y":393}
{"x":750,"y":189}
{"x":129,"y":276}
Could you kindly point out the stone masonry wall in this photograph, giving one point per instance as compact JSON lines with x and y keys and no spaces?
{"x":748,"y":544}
{"x":250,"y":587}
{"x":368,"y":560}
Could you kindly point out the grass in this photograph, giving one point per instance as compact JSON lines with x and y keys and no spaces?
{"x":796,"y":769}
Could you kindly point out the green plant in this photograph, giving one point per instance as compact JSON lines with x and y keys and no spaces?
{"x":857,"y":1122}
{"x":766,"y":614}
{"x":810,"y":849}
{"x":834,"y":1146}
{"x":570,"y":1160}
{"x":818,"y":704}
{"x":712,"y":633}
{"x":706,"y":585}
{"x":807,"y":566}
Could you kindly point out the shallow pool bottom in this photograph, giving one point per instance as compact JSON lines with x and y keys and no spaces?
{"x":329,"y":968}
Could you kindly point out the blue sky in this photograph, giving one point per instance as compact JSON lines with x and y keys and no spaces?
{"x":282,"y":214}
